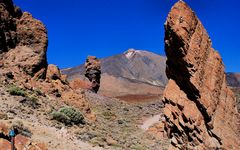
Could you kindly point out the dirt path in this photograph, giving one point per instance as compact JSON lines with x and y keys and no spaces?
{"x":150,"y":121}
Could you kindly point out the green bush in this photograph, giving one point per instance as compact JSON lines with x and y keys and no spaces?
{"x":61,"y":117}
{"x":14,"y":90}
{"x":68,"y":116}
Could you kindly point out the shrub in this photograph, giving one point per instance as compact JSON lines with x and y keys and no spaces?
{"x":61,"y":117}
{"x":14,"y":90}
{"x":75,"y":116}
{"x":68,"y":116}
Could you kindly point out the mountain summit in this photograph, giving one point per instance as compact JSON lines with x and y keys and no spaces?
{"x":132,"y":72}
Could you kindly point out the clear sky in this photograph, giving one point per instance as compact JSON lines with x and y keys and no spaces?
{"x":78,"y":28}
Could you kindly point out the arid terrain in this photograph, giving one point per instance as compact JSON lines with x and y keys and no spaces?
{"x":145,"y":101}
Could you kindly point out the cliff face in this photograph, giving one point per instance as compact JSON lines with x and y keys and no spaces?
{"x":199,"y":107}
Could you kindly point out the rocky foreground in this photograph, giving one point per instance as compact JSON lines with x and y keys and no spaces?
{"x":25,"y":74}
{"x":198,"y":110}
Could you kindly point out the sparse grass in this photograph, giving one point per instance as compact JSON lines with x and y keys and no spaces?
{"x":14,"y":90}
{"x":30,"y":96}
{"x":108,"y":115}
{"x":98,"y":141}
{"x":38,"y":92}
{"x":68,"y":116}
{"x":3,"y":116}
{"x":33,"y":101}
{"x":121,"y":121}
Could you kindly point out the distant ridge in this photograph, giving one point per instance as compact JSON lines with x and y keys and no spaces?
{"x":233,"y":79}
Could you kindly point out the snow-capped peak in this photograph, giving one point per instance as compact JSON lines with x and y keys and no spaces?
{"x":131,"y":52}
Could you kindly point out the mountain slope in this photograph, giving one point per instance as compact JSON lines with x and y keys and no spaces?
{"x":133,"y":72}
{"x":233,"y":79}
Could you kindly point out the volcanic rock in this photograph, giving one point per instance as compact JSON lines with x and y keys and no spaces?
{"x":200,"y":109}
{"x":23,"y":47}
{"x":23,"y":40}
{"x":93,"y":72}
{"x":53,"y":72}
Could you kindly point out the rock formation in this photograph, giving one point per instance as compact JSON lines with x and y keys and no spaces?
{"x":93,"y":72}
{"x":23,"y":46}
{"x":200,"y":109}
{"x":26,"y":35}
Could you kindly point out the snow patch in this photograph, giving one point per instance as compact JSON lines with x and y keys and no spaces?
{"x":129,"y":54}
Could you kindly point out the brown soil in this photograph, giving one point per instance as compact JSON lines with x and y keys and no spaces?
{"x":139,"y":98}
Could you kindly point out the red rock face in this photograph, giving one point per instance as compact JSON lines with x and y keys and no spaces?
{"x":23,"y":40}
{"x":199,"y":107}
{"x":23,"y":46}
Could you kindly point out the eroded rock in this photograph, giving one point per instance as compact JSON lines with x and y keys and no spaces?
{"x":23,"y":40}
{"x":199,"y":107}
{"x":93,"y":72}
{"x":23,"y":62}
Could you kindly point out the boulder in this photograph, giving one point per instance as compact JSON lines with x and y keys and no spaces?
{"x":200,"y":109}
{"x":53,"y":72}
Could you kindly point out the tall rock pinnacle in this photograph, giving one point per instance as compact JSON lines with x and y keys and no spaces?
{"x":199,"y":107}
{"x":93,"y":72}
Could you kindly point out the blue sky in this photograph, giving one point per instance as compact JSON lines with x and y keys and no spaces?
{"x":78,"y":28}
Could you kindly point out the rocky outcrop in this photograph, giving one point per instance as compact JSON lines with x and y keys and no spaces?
{"x":23,"y":47}
{"x":93,"y":72}
{"x":26,"y":35}
{"x":200,"y":109}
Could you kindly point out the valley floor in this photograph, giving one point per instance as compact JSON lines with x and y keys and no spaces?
{"x":119,"y":125}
